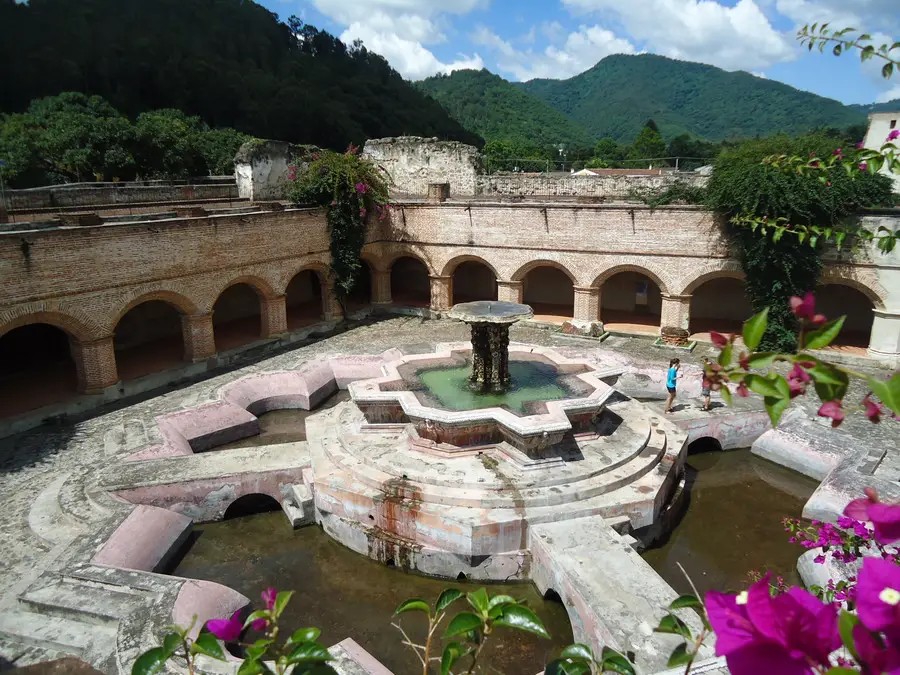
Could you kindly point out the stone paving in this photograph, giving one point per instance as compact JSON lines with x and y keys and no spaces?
{"x":48,"y":480}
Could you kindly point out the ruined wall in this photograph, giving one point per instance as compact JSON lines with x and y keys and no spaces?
{"x":413,"y":162}
{"x":261,"y":167}
{"x":123,"y":193}
{"x":601,"y":187}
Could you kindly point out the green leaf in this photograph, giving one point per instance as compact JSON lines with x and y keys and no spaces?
{"x":451,"y":653}
{"x":252,"y":667}
{"x":303,"y":635}
{"x":846,"y":624}
{"x":781,"y":385}
{"x":479,"y":600}
{"x":150,"y":662}
{"x":761,"y":359}
{"x":671,"y":624}
{"x":612,"y":660}
{"x":281,"y":601}
{"x":888,"y":391}
{"x":502,"y":600}
{"x":686,"y":602}
{"x":726,"y":354}
{"x":578,"y":651}
{"x":448,"y":596}
{"x":725,"y":392}
{"x":825,"y":335}
{"x":563,"y":667}
{"x":522,"y":618}
{"x":680,"y":656}
{"x":754,"y":327}
{"x":171,"y":642}
{"x":258,"y":649}
{"x":463,"y":623}
{"x":841,"y":671}
{"x":761,"y":386}
{"x":308,"y":652}
{"x":206,"y":643}
{"x":776,"y":407}
{"x":258,"y":614}
{"x":413,"y":605}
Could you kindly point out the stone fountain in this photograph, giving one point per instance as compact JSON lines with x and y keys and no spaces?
{"x":490,"y":321}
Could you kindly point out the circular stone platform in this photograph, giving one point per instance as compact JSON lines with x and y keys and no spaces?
{"x":491,"y":311}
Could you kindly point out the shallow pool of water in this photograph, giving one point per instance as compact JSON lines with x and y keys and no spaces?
{"x":529,"y":381}
{"x":349,"y":595}
{"x":733,"y":522}
{"x":284,"y":426}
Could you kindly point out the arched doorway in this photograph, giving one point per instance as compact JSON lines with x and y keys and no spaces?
{"x":237,"y":317}
{"x":835,"y":300}
{"x":473,"y":280}
{"x":410,"y":285}
{"x":148,"y":339}
{"x":550,"y":292}
{"x":250,"y":505}
{"x":304,"y":300}
{"x":631,"y":302}
{"x":36,"y":368}
{"x":361,"y":295}
{"x":720,"y":304}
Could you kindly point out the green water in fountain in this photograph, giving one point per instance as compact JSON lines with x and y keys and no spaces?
{"x":529,"y":381}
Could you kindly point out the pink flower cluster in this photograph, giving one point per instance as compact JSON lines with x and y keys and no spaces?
{"x":229,"y":630}
{"x":893,"y":136}
{"x":794,"y":632}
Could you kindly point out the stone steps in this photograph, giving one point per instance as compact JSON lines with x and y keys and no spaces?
{"x":20,"y":655}
{"x":71,"y":599}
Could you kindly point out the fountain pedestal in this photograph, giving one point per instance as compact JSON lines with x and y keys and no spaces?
{"x":490,"y":321}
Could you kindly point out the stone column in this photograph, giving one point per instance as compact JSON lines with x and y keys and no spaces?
{"x":510,"y":291}
{"x":274,"y":315}
{"x":441,"y":293}
{"x":587,"y":303}
{"x":884,"y":343}
{"x":331,"y":307}
{"x":95,"y":364}
{"x":198,"y":337}
{"x":381,"y":287}
{"x":676,"y":317}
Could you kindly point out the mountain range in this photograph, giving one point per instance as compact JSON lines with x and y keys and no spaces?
{"x":619,"y":94}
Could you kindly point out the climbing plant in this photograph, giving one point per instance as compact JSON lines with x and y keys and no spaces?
{"x":352,"y":190}
{"x":744,"y":188}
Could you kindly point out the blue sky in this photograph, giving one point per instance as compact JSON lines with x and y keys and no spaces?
{"x":521,"y":39}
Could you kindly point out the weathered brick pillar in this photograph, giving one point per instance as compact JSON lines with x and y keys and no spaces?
{"x":510,"y":291}
{"x":95,"y":364}
{"x":331,"y":307}
{"x":438,"y":192}
{"x":441,"y":293}
{"x":587,"y":303}
{"x":676,"y":317}
{"x":274,"y":315}
{"x":198,"y":337}
{"x":381,"y":287}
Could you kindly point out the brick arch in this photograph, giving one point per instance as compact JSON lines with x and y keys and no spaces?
{"x":727,"y":271}
{"x":520,"y":273}
{"x":262,"y":287}
{"x":375,"y":262}
{"x":604,"y":276}
{"x":183,"y":304}
{"x":392,"y":256}
{"x":321,"y":269}
{"x":456,"y":261}
{"x":841,"y":277}
{"x":75,"y":324}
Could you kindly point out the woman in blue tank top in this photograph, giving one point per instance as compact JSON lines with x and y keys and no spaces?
{"x":674,"y":365}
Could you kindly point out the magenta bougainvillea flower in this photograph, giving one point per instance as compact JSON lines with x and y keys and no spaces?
{"x":227,"y":630}
{"x":873,"y":410}
{"x":832,"y":410}
{"x":805,"y":308}
{"x":864,"y":166}
{"x":894,"y":135}
{"x":875,"y":655}
{"x":259,"y":625}
{"x":718,"y":339}
{"x":268,"y":597}
{"x":885,"y":518}
{"x":781,"y":635}
{"x":878,"y":595}
{"x":361,"y":188}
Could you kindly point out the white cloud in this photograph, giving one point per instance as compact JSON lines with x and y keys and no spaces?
{"x":738,"y":37}
{"x":581,"y":50}
{"x":401,"y":30}
{"x":869,"y":14}
{"x":889,"y":95}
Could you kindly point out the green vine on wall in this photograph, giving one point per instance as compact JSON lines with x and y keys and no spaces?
{"x":352,"y":190}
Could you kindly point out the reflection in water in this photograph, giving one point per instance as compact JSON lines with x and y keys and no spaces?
{"x":284,"y":426}
{"x":348,"y":595}
{"x":733,"y":522}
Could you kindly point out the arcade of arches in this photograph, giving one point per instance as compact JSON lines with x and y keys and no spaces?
{"x":42,"y":364}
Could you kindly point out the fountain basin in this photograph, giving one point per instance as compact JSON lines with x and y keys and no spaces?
{"x":401,"y":396}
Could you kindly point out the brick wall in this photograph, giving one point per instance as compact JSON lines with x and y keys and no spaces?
{"x":412,"y":163}
{"x":608,"y":187}
{"x":91,"y":195}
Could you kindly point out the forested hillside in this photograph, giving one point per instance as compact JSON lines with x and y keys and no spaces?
{"x":230,"y":62}
{"x":497,"y":110}
{"x":618,"y":95}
